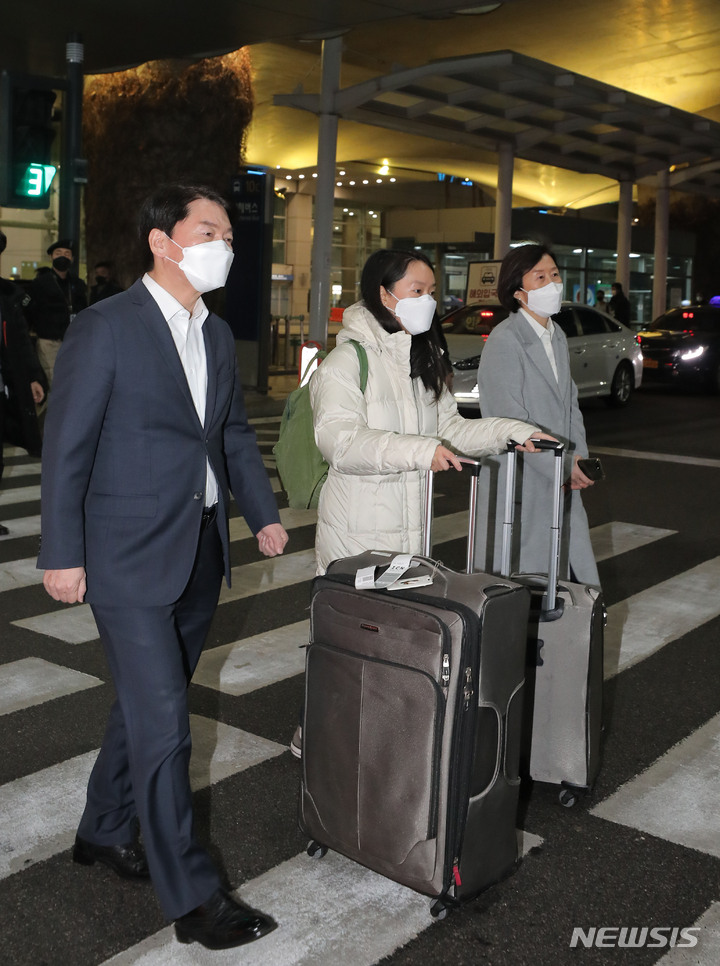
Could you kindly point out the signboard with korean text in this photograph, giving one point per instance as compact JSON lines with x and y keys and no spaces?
{"x":482,"y":283}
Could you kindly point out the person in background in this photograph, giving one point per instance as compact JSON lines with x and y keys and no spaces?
{"x":524,"y":372}
{"x":600,"y":302}
{"x":22,"y":380}
{"x":146,"y":435}
{"x":619,"y":304}
{"x":105,"y":284}
{"x":55,"y":296}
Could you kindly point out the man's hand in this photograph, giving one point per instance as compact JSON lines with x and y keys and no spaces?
{"x":38,"y":393}
{"x":66,"y":585}
{"x":272,"y":539}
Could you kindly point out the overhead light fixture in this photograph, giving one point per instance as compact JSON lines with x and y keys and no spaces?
{"x":384,"y":169}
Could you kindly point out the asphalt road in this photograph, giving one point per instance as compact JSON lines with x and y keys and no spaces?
{"x":642,"y":851}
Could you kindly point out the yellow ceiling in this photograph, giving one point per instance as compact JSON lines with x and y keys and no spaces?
{"x":666,"y":50}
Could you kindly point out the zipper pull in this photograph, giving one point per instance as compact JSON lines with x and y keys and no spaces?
{"x":445,"y":677}
{"x":456,"y":873}
{"x":468,"y":689}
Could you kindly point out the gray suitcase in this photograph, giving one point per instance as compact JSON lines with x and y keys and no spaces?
{"x":564,"y":678}
{"x":412,"y":724}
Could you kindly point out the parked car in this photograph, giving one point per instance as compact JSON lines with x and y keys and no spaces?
{"x":683,"y":346}
{"x":605,"y":356}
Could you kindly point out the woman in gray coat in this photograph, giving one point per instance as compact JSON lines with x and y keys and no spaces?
{"x":524,"y":373}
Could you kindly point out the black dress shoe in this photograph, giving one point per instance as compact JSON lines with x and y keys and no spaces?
{"x":127,"y":860}
{"x":221,"y":923}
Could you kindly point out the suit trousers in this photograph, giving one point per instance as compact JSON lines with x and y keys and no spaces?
{"x":142,"y":769}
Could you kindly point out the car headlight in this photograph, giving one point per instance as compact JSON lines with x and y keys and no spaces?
{"x":693,"y":353}
{"x":472,"y":363}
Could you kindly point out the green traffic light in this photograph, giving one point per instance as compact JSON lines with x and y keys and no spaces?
{"x":36,"y":180}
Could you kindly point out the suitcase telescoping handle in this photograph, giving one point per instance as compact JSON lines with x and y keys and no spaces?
{"x":474,"y":468}
{"x":549,"y":598}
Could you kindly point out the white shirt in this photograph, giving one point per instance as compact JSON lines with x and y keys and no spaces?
{"x":186,"y":331}
{"x":545,"y":335}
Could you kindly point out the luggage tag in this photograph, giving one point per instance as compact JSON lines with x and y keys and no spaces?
{"x":392,"y":578}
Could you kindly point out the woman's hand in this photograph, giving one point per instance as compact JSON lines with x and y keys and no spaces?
{"x":443,"y":459}
{"x":527,"y":446}
{"x":578,"y":480}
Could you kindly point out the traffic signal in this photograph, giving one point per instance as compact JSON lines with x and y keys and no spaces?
{"x":27,"y":133}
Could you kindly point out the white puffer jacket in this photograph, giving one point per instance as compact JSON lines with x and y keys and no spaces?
{"x":379,"y":444}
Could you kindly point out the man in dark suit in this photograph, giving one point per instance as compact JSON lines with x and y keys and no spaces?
{"x":146,"y":435}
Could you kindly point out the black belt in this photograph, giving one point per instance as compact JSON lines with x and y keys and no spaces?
{"x":208,"y":516}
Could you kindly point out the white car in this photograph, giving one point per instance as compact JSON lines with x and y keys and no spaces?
{"x":605,"y":356}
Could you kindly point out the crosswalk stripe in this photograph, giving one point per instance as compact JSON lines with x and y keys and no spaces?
{"x":328,"y":911}
{"x":76,"y":625}
{"x":39,"y":812}
{"x":642,"y":624}
{"x":254,"y":662}
{"x":655,"y":457}
{"x":24,"y":527}
{"x":33,"y":681}
{"x":21,"y":470}
{"x":707,"y":950}
{"x":676,"y":798}
{"x":612,"y":539}
{"x":19,"y":494}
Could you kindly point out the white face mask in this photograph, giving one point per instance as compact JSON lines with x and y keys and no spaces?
{"x":416,"y":314}
{"x":206,"y":265}
{"x":545,"y":301}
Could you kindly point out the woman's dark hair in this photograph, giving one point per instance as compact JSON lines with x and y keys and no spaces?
{"x":169,"y":204}
{"x":385,"y":268}
{"x":517,"y":263}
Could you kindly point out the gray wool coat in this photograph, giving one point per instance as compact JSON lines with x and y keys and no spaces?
{"x":515,"y":379}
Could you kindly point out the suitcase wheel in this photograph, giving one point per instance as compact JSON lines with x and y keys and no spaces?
{"x":568,"y":797}
{"x":438,"y":909}
{"x":315,"y":850}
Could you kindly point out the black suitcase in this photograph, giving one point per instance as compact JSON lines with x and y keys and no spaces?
{"x":412,"y":722}
{"x":564,"y":678}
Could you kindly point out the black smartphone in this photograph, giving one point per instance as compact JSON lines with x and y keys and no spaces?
{"x":592,"y":468}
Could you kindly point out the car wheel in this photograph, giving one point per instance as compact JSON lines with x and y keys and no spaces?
{"x":622,"y":386}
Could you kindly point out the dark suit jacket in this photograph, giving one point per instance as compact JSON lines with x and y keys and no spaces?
{"x":124,"y":453}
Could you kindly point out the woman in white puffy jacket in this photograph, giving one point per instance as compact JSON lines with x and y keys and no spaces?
{"x":380,"y":443}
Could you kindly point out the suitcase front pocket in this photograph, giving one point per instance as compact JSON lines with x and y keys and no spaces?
{"x":372,"y":743}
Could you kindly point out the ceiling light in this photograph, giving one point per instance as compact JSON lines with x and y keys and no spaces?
{"x":365,"y":181}
{"x":339,"y":184}
{"x":393,"y":179}
{"x":384,"y":170}
{"x":314,"y":174}
{"x":378,"y":180}
{"x":341,"y":173}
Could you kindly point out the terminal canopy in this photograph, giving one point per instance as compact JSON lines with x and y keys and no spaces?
{"x":543,"y":113}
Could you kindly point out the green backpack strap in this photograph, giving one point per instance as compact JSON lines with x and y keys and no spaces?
{"x":363,"y":360}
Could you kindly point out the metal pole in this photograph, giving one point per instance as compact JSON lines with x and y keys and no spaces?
{"x":72,"y":173}
{"x":325,"y":192}
{"x":503,"y":201}
{"x":662,"y":208}
{"x":624,"y":235}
